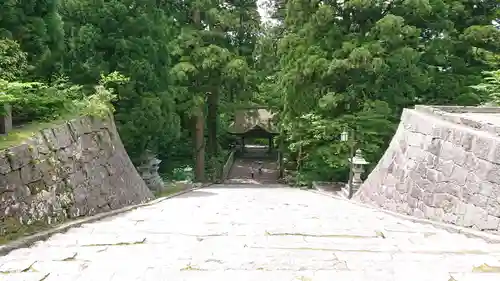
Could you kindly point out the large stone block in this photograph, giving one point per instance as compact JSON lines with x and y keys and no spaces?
{"x":446,"y":167}
{"x":495,"y":152}
{"x":458,"y":175}
{"x":4,"y":164}
{"x":448,"y":217}
{"x":10,"y":181}
{"x":434,"y":177}
{"x":448,"y":188}
{"x":494,"y":175}
{"x":482,"y":146}
{"x":62,"y":135}
{"x":19,"y":156}
{"x":473,"y":216}
{"x":30,"y":173}
{"x":416,"y":192}
{"x":414,"y":139}
{"x":493,"y":206}
{"x":490,"y":223}
{"x":479,"y":200}
{"x":435,"y":146}
{"x":467,"y":140}
{"x":447,"y":151}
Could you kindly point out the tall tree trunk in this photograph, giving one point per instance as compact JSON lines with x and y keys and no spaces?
{"x":199,"y":125}
{"x":212,"y":122}
{"x":200,"y":145}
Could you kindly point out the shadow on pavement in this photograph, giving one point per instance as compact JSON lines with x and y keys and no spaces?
{"x":196,"y":193}
{"x":239,"y":185}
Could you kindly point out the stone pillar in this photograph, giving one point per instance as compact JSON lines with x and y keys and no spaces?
{"x":6,"y":120}
{"x":243,"y":144}
{"x":357,"y":171}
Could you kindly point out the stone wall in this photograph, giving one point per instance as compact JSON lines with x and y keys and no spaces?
{"x":442,"y":165}
{"x":75,"y":169}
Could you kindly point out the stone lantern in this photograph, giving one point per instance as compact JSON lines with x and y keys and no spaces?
{"x":358,"y":162}
{"x":149,"y":173}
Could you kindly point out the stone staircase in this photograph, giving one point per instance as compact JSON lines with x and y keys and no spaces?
{"x":248,"y":161}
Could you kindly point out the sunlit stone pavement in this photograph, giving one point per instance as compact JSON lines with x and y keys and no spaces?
{"x":254,"y":234}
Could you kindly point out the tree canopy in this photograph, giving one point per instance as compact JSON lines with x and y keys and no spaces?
{"x":180,"y":68}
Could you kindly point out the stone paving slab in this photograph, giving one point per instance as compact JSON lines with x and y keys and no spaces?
{"x":230,"y":233}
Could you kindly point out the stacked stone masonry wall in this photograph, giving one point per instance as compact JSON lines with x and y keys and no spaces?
{"x":438,"y":169}
{"x":75,"y":169}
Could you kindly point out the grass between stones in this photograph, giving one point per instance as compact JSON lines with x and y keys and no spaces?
{"x":189,"y":267}
{"x":484,"y":268}
{"x":20,"y":134}
{"x":15,"y":230}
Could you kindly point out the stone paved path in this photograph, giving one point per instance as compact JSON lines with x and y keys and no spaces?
{"x":250,"y":234}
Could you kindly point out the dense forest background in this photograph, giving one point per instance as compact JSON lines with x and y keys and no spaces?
{"x":174,"y":71}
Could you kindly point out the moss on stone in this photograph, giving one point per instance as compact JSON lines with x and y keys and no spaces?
{"x":189,"y":267}
{"x":484,"y":268}
{"x":171,"y":189}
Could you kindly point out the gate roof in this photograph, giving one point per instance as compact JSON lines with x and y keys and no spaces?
{"x":247,"y":120}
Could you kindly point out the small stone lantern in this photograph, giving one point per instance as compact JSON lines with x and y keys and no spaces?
{"x":149,"y":173}
{"x":358,"y":163}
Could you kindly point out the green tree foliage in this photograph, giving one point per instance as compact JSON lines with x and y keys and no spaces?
{"x":34,"y":101}
{"x":133,"y":38}
{"x":267,"y":62}
{"x":358,"y":63}
{"x":13,"y":62}
{"x":38,"y":28}
{"x":214,"y":68}
{"x":328,"y":66}
{"x":170,"y":64}
{"x":490,"y":86}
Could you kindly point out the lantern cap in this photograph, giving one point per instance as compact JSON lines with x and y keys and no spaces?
{"x":358,"y":158}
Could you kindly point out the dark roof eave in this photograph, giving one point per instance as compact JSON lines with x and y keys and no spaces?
{"x":256,"y":127}
{"x":244,"y":133}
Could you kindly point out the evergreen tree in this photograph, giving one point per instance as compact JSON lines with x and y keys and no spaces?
{"x":133,"y":38}
{"x":38,"y":28}
{"x":215,"y":57}
{"x":341,"y":62}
